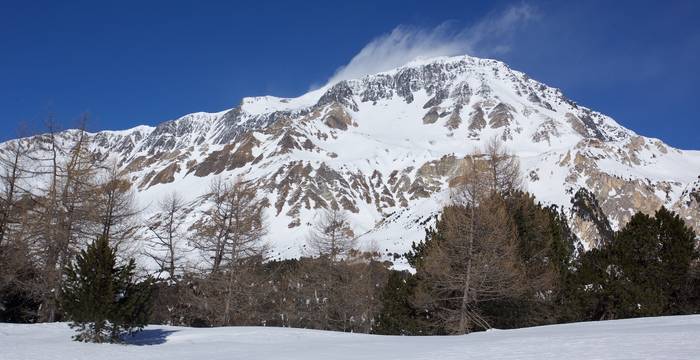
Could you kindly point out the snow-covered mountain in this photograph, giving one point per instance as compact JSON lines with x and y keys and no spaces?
{"x":385,"y":147}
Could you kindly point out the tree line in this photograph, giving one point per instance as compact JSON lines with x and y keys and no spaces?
{"x":494,"y":258}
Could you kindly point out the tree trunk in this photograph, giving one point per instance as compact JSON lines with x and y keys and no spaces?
{"x":467,"y":281}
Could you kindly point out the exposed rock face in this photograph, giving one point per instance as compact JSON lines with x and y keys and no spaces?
{"x":477,"y":120}
{"x":431,"y":116}
{"x":166,"y":175}
{"x":589,"y":219}
{"x":341,"y":94}
{"x":390,"y":147}
{"x":440,"y":96}
{"x":501,"y":116}
{"x":689,"y":203}
{"x":455,"y":120}
{"x":232,"y":156}
{"x":337,"y":117}
{"x":547,"y":130}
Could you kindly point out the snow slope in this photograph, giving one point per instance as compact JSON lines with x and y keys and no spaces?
{"x":649,"y":338}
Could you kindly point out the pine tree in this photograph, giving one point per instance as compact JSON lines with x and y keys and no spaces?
{"x":398,"y":317}
{"x":101,"y":298}
{"x":645,"y":270}
{"x":636,"y":270}
{"x":678,"y":254}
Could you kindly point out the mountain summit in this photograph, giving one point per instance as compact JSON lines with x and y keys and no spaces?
{"x":385,"y":147}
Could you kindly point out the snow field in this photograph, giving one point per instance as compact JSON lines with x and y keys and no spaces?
{"x":673,"y":337}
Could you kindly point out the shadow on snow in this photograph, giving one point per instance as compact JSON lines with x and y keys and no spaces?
{"x":149,"y":337}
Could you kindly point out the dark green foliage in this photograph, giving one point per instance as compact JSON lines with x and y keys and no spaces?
{"x":18,"y":304}
{"x":678,"y":255}
{"x":693,"y":306}
{"x":645,"y":270}
{"x":101,"y":298}
{"x":517,"y":312}
{"x":398,"y":317}
{"x":545,"y":240}
{"x":635,"y":270}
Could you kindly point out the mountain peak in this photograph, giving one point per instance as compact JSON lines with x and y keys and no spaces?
{"x":387,"y":148}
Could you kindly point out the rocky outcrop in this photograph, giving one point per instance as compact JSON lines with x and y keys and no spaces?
{"x":231,"y":157}
{"x":337,"y":118}
{"x":477,"y":121}
{"x":431,"y":116}
{"x":341,"y":94}
{"x":501,"y":116}
{"x":454,"y":121}
{"x":166,"y":175}
{"x":589,"y":220}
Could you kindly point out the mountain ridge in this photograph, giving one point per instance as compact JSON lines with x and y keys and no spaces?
{"x":385,"y":148}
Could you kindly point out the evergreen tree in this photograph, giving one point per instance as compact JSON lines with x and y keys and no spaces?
{"x":645,"y":270}
{"x":591,"y":291}
{"x":635,"y":269}
{"x":398,"y":317}
{"x":621,"y":279}
{"x":101,"y":298}
{"x":678,"y":255}
{"x":418,"y":251}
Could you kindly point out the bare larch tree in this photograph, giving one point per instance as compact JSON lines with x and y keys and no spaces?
{"x":472,"y":253}
{"x":12,"y":161}
{"x":503,"y":167}
{"x":229,"y":236}
{"x":116,"y":215}
{"x":331,"y":236}
{"x":164,"y":246}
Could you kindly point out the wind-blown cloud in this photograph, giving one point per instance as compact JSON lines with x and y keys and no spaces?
{"x":489,"y":36}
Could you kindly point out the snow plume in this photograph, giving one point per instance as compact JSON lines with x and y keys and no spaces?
{"x":490,"y":35}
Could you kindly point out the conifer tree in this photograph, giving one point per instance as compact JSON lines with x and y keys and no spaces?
{"x":678,"y":254}
{"x":101,"y":298}
{"x":398,"y":317}
{"x":645,"y":270}
{"x":635,"y":270}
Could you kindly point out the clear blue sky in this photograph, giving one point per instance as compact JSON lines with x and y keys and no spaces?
{"x":142,"y":62}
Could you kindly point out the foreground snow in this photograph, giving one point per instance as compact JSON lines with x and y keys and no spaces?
{"x":650,"y":338}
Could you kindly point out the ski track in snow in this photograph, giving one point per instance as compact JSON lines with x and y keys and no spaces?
{"x":674,"y":337}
